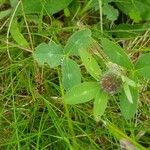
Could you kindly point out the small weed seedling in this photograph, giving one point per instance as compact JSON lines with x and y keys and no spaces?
{"x":120,"y":76}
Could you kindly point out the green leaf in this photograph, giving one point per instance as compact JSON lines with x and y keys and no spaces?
{"x":129,"y":30}
{"x":66,"y":12}
{"x":129,"y":109}
{"x":13,"y":3}
{"x":143,"y":66}
{"x":79,"y":40}
{"x":127,"y":92}
{"x":95,"y":4}
{"x":135,"y":15}
{"x":128,"y":7}
{"x":129,"y":81}
{"x":3,"y":1}
{"x":143,"y":61}
{"x":110,"y":12}
{"x":71,"y":74}
{"x":50,"y":6}
{"x":115,"y":53}
{"x":90,"y":63}
{"x":50,"y":53}
{"x":120,"y":135}
{"x":82,"y":93}
{"x":17,"y":35}
{"x":100,"y":104}
{"x":5,"y":13}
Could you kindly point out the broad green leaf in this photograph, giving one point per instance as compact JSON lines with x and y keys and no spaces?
{"x":115,"y":53}
{"x":129,"y":109}
{"x":100,"y":104}
{"x":71,"y":74}
{"x":143,"y":61}
{"x":13,"y":3}
{"x":135,"y":15}
{"x":143,"y":7}
{"x":17,"y":35}
{"x":110,"y":12}
{"x":90,"y":63}
{"x":82,"y":93}
{"x":50,"y":6}
{"x":95,"y":4}
{"x":143,"y":65}
{"x":79,"y":40}
{"x":50,"y":53}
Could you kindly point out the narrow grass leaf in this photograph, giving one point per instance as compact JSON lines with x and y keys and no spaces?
{"x":90,"y":63}
{"x":50,"y":53}
{"x":116,"y":54}
{"x":79,"y":40}
{"x":82,"y":93}
{"x":17,"y":35}
{"x":120,"y":135}
{"x":100,"y":104}
{"x":143,"y":66}
{"x":126,"y":144}
{"x":71,"y":74}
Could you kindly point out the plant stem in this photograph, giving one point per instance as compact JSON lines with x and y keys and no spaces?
{"x":120,"y":135}
{"x":101,"y":16}
{"x":66,"y":110}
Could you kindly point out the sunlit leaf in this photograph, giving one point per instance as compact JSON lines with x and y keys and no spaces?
{"x":71,"y":74}
{"x":90,"y":63}
{"x":100,"y":104}
{"x":50,"y":53}
{"x":82,"y":93}
{"x":79,"y":40}
{"x":135,"y":15}
{"x":115,"y":53}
